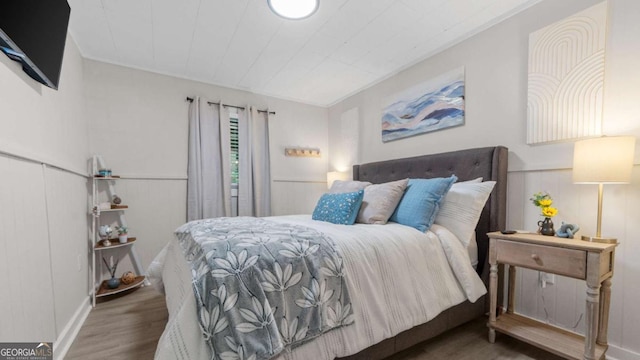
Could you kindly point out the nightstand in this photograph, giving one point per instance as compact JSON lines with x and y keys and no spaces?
{"x":592,"y":262}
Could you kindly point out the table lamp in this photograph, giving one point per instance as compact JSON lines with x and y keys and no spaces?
{"x":605,"y":160}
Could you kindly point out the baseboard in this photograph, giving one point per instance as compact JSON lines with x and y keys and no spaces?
{"x":70,"y":331}
{"x":618,"y":353}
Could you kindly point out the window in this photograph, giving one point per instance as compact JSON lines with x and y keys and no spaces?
{"x":233,"y":125}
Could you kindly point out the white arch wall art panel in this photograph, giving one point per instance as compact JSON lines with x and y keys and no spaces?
{"x":566,"y":77}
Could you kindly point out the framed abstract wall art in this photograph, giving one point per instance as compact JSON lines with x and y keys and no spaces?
{"x":433,"y":105}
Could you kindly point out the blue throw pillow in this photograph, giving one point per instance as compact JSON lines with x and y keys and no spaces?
{"x":421,"y":201}
{"x":338,"y":208}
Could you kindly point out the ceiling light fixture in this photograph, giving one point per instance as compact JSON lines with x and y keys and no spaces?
{"x":294,"y":9}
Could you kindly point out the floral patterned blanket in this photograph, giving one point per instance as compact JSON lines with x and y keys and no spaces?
{"x":263,"y":286}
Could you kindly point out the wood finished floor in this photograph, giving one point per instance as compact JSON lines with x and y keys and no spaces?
{"x":129,"y":327}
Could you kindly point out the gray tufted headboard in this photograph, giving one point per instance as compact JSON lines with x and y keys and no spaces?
{"x":490,"y":163}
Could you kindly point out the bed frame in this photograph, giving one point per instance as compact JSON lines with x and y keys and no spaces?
{"x":490,"y":163}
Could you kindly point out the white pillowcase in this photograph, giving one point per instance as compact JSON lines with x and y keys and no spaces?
{"x":347,"y":186}
{"x":476,"y":180}
{"x":461,"y":208}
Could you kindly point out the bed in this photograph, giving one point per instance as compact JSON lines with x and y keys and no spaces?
{"x":390,"y":315}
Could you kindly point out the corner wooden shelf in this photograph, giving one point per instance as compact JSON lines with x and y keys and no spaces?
{"x":103,"y":191}
{"x":104,"y":290}
{"x":115,"y":243}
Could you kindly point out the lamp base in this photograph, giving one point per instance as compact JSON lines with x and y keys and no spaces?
{"x":599,"y":239}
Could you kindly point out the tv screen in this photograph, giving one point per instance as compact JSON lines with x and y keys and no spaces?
{"x":34,"y":33}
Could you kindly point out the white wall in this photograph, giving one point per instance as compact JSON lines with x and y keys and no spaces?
{"x":43,"y":209}
{"x":495,"y":62}
{"x":138,"y":123}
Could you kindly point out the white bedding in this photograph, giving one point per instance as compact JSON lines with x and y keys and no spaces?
{"x":472,"y":249}
{"x":397,"y":276}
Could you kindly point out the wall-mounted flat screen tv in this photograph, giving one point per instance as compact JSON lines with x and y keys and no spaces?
{"x":34,"y":33}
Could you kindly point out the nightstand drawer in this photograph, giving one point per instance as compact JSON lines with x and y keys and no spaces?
{"x":561,"y":261}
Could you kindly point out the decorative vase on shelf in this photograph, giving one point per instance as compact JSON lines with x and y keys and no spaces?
{"x":545,"y":227}
{"x":113,"y":283}
{"x":123,"y":234}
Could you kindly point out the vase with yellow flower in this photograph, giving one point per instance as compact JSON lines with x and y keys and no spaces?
{"x":544,"y":202}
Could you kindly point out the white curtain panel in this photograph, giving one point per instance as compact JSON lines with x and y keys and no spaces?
{"x":254,"y":174}
{"x":209,"y":175}
{"x":225,"y":154}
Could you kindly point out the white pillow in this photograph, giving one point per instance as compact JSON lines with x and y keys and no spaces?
{"x":461,"y":208}
{"x":347,"y":186}
{"x":476,"y":180}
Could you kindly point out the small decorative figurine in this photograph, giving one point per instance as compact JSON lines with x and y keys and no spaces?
{"x":105,"y":232}
{"x":567,"y":230}
{"x":128,"y":278}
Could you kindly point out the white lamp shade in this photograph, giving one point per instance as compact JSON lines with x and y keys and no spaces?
{"x":605,"y":160}
{"x":293,"y":9}
{"x":336,"y":175}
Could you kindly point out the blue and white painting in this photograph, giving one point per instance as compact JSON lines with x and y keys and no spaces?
{"x":433,"y":105}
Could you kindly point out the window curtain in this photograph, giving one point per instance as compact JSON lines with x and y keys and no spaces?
{"x":209,"y":173}
{"x":254,"y":170}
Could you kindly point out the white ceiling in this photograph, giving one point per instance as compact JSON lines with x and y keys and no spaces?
{"x":345,"y":47}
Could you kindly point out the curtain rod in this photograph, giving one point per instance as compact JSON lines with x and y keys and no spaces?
{"x":189,"y":99}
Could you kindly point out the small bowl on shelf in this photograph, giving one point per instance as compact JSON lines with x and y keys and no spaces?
{"x":104,"y":172}
{"x":113,"y":283}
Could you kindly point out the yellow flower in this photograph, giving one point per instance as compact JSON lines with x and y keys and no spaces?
{"x":549,"y":211}
{"x":545,"y":202}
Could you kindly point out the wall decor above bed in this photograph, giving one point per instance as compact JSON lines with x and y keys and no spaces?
{"x":435,"y":104}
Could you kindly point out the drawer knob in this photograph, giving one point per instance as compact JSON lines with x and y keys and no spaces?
{"x":535,"y":257}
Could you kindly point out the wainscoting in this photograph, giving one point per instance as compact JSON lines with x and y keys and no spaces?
{"x":44,"y":256}
{"x":295,"y":196}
